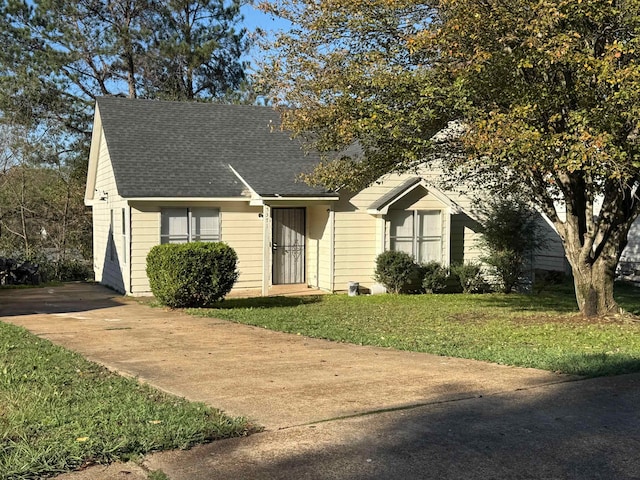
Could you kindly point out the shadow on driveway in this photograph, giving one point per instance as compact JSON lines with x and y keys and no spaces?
{"x":578,"y":430}
{"x":67,"y":298}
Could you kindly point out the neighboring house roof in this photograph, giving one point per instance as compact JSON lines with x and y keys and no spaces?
{"x":162,"y":149}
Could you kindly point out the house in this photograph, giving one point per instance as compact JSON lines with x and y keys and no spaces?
{"x":162,"y":172}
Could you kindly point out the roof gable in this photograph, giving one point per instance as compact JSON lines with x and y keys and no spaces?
{"x":164,"y":149}
{"x":382,"y":204}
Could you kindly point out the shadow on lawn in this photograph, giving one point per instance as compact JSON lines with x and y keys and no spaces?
{"x":561,"y":303}
{"x":597,"y":364}
{"x":562,"y":300}
{"x":266,"y":302}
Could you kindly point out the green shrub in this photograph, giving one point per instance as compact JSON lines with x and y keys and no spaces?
{"x":510,"y":235}
{"x":470,"y":276}
{"x":434,"y":277}
{"x":507,"y":266}
{"x":394,"y":270}
{"x":413,"y":284}
{"x":72,"y":270}
{"x":194,"y":274}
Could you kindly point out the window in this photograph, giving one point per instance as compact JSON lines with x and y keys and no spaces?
{"x":416,"y":232}
{"x":182,"y":225}
{"x":124,"y":236}
{"x":111,"y":240}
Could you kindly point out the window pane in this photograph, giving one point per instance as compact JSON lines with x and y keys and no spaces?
{"x":402,"y":245}
{"x":205,"y":225}
{"x":173,"y":228}
{"x":124,"y":236}
{"x":401,"y":223}
{"x":429,"y":223}
{"x":430,"y":250}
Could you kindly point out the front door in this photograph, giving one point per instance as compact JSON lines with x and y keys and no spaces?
{"x":288,"y":245}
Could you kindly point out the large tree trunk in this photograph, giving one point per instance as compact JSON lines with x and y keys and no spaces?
{"x":594,"y":287}
{"x":594,"y":275}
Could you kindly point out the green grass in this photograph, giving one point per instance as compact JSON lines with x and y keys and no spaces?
{"x":59,"y":412}
{"x":540,"y":331}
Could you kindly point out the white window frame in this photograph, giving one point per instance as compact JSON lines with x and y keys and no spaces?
{"x":112,"y":237}
{"x":415,"y":238}
{"x":124,"y":235}
{"x":191,"y":235}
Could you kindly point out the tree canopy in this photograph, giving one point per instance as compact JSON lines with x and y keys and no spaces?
{"x":548,"y":93}
{"x":57,"y":56}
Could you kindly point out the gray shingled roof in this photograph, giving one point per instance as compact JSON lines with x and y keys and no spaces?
{"x":180,"y":149}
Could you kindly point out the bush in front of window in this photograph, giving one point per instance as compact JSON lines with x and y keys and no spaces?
{"x":511,"y":235}
{"x":394,"y":270}
{"x":434,"y":277}
{"x":470,"y":276}
{"x":194,"y":274}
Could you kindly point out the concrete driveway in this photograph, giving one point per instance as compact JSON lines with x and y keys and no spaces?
{"x":334,"y":410}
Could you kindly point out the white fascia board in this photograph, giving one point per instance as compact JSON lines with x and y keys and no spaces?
{"x":300,"y":199}
{"x":188,"y":199}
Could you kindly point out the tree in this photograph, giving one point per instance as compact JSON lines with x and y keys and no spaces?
{"x":547,"y":93}
{"x":41,"y":205}
{"x":510,"y":236}
{"x":57,"y":56}
{"x":195,"y":51}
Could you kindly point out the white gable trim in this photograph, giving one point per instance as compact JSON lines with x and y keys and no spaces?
{"x":438,"y":194}
{"x":94,"y":154}
{"x":254,"y":195}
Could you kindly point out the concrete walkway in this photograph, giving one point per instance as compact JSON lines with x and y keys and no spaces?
{"x":341,"y":411}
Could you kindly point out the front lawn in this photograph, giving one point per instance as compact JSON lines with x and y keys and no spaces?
{"x":540,"y":331}
{"x":59,"y":412}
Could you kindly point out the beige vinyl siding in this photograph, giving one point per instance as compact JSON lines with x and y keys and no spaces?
{"x":354,"y":241}
{"x":552,"y":256}
{"x":318,"y":247}
{"x":465,"y":239}
{"x":631,"y":253}
{"x":360,"y":237}
{"x":354,"y":250}
{"x":240,"y":227}
{"x":111,"y":272}
{"x":145,"y":234}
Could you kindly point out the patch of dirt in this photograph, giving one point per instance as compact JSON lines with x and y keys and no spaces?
{"x":566,"y":319}
{"x":578,"y":319}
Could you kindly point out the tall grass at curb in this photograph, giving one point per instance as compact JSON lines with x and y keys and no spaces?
{"x":540,"y":331}
{"x":59,"y":412}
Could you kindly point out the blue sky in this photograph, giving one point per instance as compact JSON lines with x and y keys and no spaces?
{"x":254,"y":18}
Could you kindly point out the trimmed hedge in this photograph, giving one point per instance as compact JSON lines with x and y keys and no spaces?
{"x":194,"y":274}
{"x":395,"y":269}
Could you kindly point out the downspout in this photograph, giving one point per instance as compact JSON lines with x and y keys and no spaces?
{"x":332,"y":249}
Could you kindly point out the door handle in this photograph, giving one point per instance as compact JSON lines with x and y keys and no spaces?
{"x":274,"y":246}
